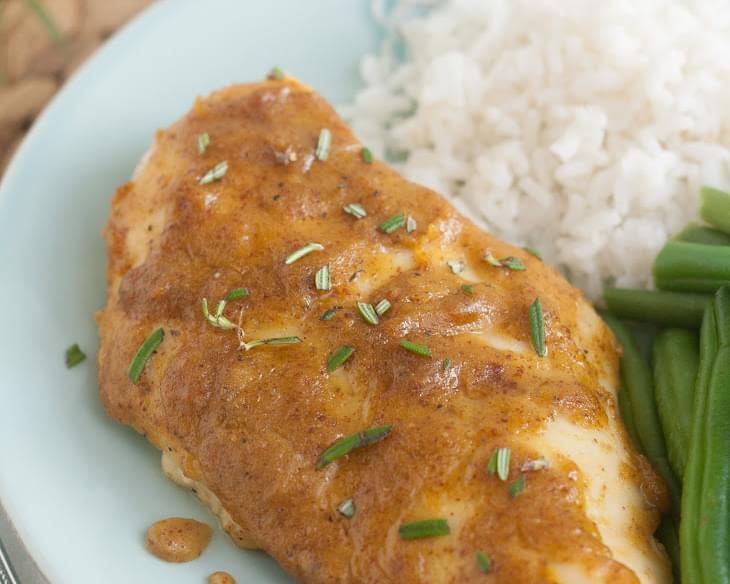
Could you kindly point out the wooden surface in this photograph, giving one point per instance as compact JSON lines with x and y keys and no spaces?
{"x":33,"y":66}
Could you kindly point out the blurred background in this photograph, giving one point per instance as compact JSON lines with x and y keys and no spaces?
{"x":42,"y":42}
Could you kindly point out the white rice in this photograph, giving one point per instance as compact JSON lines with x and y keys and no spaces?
{"x":583,"y":128}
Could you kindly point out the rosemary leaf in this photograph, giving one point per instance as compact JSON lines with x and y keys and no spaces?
{"x":424,"y":528}
{"x":323,"y":144}
{"x":302,"y":251}
{"x":537,"y":326}
{"x":368,"y":313}
{"x":322,"y":280}
{"x":421,"y":350}
{"x":338,"y":358}
{"x":345,"y":445}
{"x":143,"y":354}
{"x":393,"y":223}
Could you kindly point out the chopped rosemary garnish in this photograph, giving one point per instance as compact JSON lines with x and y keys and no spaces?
{"x":236,"y":294}
{"x":271,"y":341}
{"x":411,"y":224}
{"x":346,"y":508}
{"x":143,"y":354}
{"x":367,"y":156}
{"x":368,"y":313}
{"x":483,"y":562}
{"x":499,"y":463}
{"x":457,"y":266}
{"x":276,"y":74}
{"x":393,"y":223}
{"x":382,"y":307}
{"x":203,"y":141}
{"x":422,"y":350}
{"x":537,"y":464}
{"x":424,"y":528}
{"x":338,"y":358}
{"x":323,"y":144}
{"x":446,"y":364}
{"x":322,"y":280}
{"x":513,"y":263}
{"x":74,"y":355}
{"x":517,"y":487}
{"x":215,"y":173}
{"x":302,"y":251}
{"x":345,"y":445}
{"x":329,"y":314}
{"x":468,"y":288}
{"x":356,"y":210}
{"x":510,"y":262}
{"x":537,"y":326}
{"x":532,"y":251}
{"x":217,"y":319}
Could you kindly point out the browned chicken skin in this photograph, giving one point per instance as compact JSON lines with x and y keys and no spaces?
{"x":246,"y":427}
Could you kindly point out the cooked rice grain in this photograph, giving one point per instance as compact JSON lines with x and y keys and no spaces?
{"x":583,"y":128}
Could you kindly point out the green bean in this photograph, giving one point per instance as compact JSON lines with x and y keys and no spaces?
{"x":694,"y":233}
{"x":713,"y":540}
{"x":676,"y":358}
{"x":692,"y":484}
{"x":715,"y":208}
{"x":667,"y":534}
{"x":657,"y":306}
{"x":636,"y":378}
{"x":692,"y":267}
{"x":627,"y":415}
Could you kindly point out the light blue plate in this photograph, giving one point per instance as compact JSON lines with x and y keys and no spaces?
{"x":80,"y":489}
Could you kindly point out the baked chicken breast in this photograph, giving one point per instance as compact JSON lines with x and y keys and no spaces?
{"x":230,"y":197}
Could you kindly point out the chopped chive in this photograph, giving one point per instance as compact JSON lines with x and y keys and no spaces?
{"x":276,"y":74}
{"x":483,"y":562}
{"x":356,"y":210}
{"x":517,"y":487}
{"x":302,"y":251}
{"x":346,"y":508}
{"x":345,"y":445}
{"x":382,"y":307}
{"x":410,"y":224}
{"x":537,"y":464}
{"x":215,"y":173}
{"x":424,"y":528}
{"x":217,"y":319}
{"x":513,"y":263}
{"x":393,"y":223}
{"x":271,"y":341}
{"x":499,"y":463}
{"x":143,"y":354}
{"x":328,"y":314}
{"x":338,"y":358}
{"x":368,"y":313}
{"x":203,"y":141}
{"x":74,"y":355}
{"x":537,"y":326}
{"x":322,"y":280}
{"x":236,"y":294}
{"x":422,"y":350}
{"x":468,"y":288}
{"x":533,"y":252}
{"x":446,"y":363}
{"x":323,"y":144}
{"x":366,"y":155}
{"x":457,"y":266}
